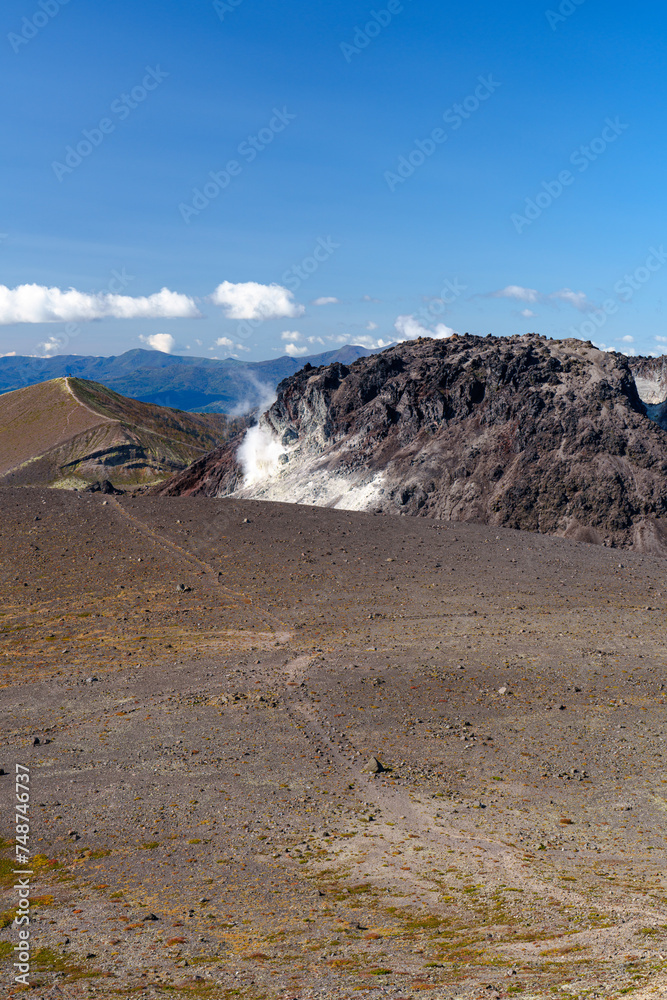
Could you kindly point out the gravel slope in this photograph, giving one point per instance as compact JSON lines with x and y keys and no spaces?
{"x":202,"y":753}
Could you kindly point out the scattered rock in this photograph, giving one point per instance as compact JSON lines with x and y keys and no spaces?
{"x":183,"y":588}
{"x":374,"y":766}
{"x":103,"y":486}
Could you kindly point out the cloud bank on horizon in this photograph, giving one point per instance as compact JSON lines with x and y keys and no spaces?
{"x":32,"y":303}
{"x":39,"y":304}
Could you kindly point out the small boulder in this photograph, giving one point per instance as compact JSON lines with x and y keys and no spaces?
{"x":104,"y":486}
{"x":374,"y":766}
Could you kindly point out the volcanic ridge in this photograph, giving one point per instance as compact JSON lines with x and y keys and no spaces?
{"x":70,"y":432}
{"x":528,"y":433}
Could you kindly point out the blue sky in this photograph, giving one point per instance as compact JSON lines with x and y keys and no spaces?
{"x":431,"y":167}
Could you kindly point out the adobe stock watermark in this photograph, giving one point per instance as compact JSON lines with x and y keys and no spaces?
{"x":121,"y":108}
{"x":249,"y":150}
{"x":581,"y":158}
{"x":449,"y":293}
{"x":454,"y":117}
{"x":222,"y":7}
{"x":31,"y":26}
{"x":294,"y":277}
{"x":363,"y":36}
{"x":22,"y":870}
{"x":625,"y":289}
{"x":565,"y":9}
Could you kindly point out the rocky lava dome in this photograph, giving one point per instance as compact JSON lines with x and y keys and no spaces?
{"x":529,"y":433}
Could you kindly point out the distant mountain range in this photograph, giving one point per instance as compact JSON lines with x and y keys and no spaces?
{"x":197,"y":385}
{"x":69,"y":432}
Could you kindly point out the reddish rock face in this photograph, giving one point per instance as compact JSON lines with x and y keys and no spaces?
{"x":540,"y":435}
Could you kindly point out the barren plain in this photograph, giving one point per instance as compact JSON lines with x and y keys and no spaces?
{"x":199,"y":686}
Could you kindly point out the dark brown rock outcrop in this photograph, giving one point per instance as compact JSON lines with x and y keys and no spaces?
{"x":529,"y":433}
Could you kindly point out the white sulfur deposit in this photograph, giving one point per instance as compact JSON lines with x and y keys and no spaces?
{"x":291,"y":475}
{"x":651,"y":390}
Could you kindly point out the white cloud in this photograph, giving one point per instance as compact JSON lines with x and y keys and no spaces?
{"x":661,"y":340}
{"x":325,"y":300}
{"x":9,"y":354}
{"x":50,"y":347}
{"x":39,"y":304}
{"x":160,"y":342}
{"x":517,"y":292}
{"x":291,"y":335}
{"x":368,"y":342}
{"x":577,"y":299}
{"x":527,"y":313}
{"x":369,"y":298}
{"x":628,"y":339}
{"x":250,"y":300}
{"x":295,"y":351}
{"x":371,"y":325}
{"x":226,"y":342}
{"x":316,"y":340}
{"x":409,"y":328}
